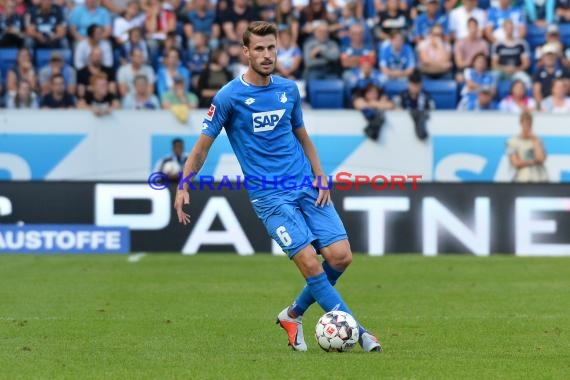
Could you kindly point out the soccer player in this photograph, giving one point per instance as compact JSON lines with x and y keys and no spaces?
{"x":262,"y":116}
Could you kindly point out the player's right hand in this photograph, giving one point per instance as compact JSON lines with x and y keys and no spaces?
{"x":182,"y":199}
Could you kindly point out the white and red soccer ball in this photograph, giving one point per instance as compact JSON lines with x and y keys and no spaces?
{"x":337,"y":331}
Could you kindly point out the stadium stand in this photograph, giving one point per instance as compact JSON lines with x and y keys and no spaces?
{"x":223,"y":27}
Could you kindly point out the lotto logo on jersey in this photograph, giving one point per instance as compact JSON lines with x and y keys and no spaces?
{"x":266,"y":121}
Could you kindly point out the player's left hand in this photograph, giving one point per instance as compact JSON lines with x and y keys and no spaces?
{"x":324,"y":197}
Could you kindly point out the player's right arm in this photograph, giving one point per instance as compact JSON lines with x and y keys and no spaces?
{"x":193,"y":164}
{"x":216,"y":118}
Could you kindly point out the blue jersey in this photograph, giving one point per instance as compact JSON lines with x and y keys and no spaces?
{"x":259,"y":122}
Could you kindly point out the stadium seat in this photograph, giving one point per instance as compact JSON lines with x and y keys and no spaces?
{"x":7,"y":60}
{"x":43,"y":56}
{"x":394,"y":87}
{"x":535,"y":36}
{"x":564,"y":33}
{"x":326,"y":93}
{"x":443,"y":93}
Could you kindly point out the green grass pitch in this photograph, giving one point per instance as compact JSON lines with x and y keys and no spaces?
{"x":213,"y":316}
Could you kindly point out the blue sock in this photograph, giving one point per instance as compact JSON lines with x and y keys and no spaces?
{"x":325,"y":294}
{"x":305,"y":298}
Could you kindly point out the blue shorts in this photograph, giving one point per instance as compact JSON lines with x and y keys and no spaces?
{"x":293,"y":221}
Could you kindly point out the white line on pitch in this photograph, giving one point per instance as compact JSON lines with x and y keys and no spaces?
{"x":136,"y":257}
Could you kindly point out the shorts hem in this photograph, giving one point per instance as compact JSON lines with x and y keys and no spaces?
{"x":331,"y":241}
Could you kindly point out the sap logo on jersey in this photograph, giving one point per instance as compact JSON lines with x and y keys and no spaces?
{"x":266,"y":121}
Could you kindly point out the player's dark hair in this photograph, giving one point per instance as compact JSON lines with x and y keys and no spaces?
{"x":91,"y":29}
{"x":472,"y":19}
{"x":177,"y":140}
{"x":415,"y":77}
{"x":258,"y":28}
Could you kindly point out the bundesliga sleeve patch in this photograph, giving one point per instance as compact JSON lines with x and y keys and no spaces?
{"x":210,"y":113}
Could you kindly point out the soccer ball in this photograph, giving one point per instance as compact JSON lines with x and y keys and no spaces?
{"x":171,"y":168}
{"x":337,"y":331}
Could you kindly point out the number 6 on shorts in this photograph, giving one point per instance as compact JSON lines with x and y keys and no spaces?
{"x":284,"y":236}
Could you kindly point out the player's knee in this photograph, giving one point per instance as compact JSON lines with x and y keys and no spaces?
{"x":344,"y":259}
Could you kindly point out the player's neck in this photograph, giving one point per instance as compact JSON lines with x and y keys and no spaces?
{"x":255,"y":79}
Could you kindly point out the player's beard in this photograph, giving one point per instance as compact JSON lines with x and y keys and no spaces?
{"x":261,"y":71}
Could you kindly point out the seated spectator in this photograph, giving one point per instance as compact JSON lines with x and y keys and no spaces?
{"x":22,"y":70}
{"x":483,"y":102}
{"x":494,"y":30}
{"x":94,"y":66}
{"x":141,"y":98}
{"x":321,"y":54}
{"x":214,"y":76}
{"x":170,"y":68}
{"x":558,"y":101}
{"x":87,"y":14}
{"x":23,"y":98}
{"x":397,"y":59}
{"x":46,"y":26}
{"x":552,"y":41}
{"x":467,"y":48}
{"x":460,"y":16}
{"x":55,"y":66}
{"x":434,"y":55}
{"x":239,"y":11}
{"x":517,"y":101}
{"x":373,"y":103}
{"x":348,"y":18}
{"x":57,"y":96}
{"x":11,"y":26}
{"x":201,"y":20}
{"x":356,"y":49}
{"x":477,"y":76}
{"x":547,"y":73}
{"x":540,"y":13}
{"x":418,"y":102}
{"x":511,"y":56}
{"x":199,"y":56}
{"x":99,"y":100}
{"x":179,"y":96}
{"x":563,"y":11}
{"x":424,"y":23}
{"x":131,"y":18}
{"x":289,"y":56}
{"x":160,"y":20}
{"x":287,"y":18}
{"x":135,"y":41}
{"x":94,"y":39}
{"x":363,"y":75}
{"x":391,"y":20}
{"x":312,"y":15}
{"x":127,"y":73}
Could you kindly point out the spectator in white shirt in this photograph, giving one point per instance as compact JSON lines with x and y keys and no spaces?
{"x":459,"y":16}
{"x":131,"y":18}
{"x":557,"y":102}
{"x":127,"y":73}
{"x":518,"y":101}
{"x":84,"y":47}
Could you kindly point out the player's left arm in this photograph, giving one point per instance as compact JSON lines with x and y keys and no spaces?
{"x":324,"y":197}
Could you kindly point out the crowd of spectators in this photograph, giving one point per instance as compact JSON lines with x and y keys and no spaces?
{"x":152,"y":54}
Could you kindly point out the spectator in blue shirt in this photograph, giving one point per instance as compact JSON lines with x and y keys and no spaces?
{"x":363,"y":75}
{"x":397,"y":59}
{"x":198,"y":56}
{"x":426,"y":21}
{"x":201,"y":20}
{"x":289,"y":56}
{"x":540,"y":12}
{"x":497,"y":15}
{"x":351,"y":54}
{"x":483,"y":102}
{"x":476,"y":77}
{"x":87,"y":14}
{"x":170,"y":69}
